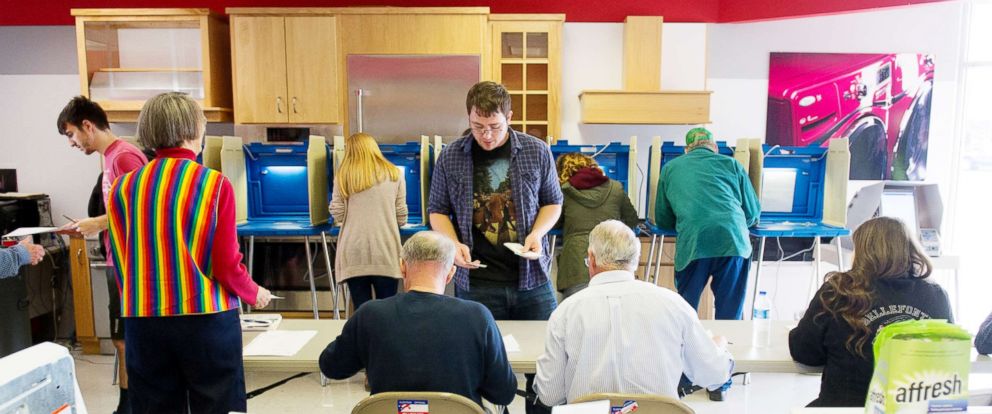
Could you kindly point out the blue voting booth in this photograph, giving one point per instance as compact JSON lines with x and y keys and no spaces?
{"x":803,"y":193}
{"x":286,"y":189}
{"x":415,"y":163}
{"x":616,"y":161}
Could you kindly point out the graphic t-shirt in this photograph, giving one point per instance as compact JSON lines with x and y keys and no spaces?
{"x":494,"y":219}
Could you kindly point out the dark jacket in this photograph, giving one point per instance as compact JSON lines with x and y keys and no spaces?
{"x":983,"y":340}
{"x":820,"y":340}
{"x":581,"y":211}
{"x":424,"y":342}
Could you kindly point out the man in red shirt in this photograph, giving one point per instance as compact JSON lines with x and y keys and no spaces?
{"x":85,"y":124}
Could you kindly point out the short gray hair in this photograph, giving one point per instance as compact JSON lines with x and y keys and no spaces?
{"x":429,"y":246}
{"x":615,"y":245}
{"x":170,"y":119}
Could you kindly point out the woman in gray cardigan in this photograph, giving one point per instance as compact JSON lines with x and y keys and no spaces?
{"x":369,"y":200}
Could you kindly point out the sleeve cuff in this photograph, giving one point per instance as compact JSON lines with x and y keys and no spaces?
{"x":23,"y":256}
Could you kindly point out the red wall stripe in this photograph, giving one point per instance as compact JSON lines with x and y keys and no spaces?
{"x":56,"y":12}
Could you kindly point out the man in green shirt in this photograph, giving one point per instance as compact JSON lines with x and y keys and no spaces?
{"x":708,"y":199}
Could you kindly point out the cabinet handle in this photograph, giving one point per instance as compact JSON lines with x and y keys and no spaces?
{"x":279,"y":104}
{"x":294,"y":106}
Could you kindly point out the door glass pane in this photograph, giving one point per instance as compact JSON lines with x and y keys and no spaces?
{"x":539,"y":131}
{"x":537,"y":45}
{"x":513,"y":76}
{"x":517,"y":105}
{"x":537,"y":107}
{"x":513,"y":45}
{"x":537,"y":77}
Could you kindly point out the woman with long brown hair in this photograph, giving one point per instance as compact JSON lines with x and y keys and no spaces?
{"x":887,"y":283}
{"x":369,"y":200}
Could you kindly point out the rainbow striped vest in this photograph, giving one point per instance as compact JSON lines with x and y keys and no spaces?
{"x":162,"y":219}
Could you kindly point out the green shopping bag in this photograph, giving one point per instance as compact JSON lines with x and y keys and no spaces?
{"x":921,"y":367}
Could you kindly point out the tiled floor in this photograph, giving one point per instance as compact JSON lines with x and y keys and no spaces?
{"x":767,"y":393}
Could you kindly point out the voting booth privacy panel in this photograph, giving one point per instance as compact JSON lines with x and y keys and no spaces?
{"x":617,"y":160}
{"x":415,"y":159}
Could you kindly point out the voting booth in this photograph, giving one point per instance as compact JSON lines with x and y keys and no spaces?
{"x":803,"y":193}
{"x":282,"y":190}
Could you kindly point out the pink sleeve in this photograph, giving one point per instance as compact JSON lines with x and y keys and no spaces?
{"x":227,"y":266}
{"x":126,"y":162}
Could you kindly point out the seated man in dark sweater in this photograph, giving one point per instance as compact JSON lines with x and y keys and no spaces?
{"x":423,"y":340}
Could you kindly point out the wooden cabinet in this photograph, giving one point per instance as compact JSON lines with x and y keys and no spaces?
{"x":285,"y":69}
{"x":129,"y":55}
{"x":526,"y":58}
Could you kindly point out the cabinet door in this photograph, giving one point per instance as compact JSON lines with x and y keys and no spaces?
{"x":526,"y":55}
{"x":259,"y":70}
{"x":312,"y":67}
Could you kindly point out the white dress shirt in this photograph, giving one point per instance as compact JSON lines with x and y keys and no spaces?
{"x":623,"y":335}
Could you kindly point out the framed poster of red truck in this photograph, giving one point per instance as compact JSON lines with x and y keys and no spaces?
{"x":880,"y":101}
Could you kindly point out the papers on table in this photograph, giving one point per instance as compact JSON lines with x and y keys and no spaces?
{"x":592,"y":407}
{"x":260,"y":321}
{"x":29,"y":231}
{"x":278,"y":343}
{"x":510,"y":343}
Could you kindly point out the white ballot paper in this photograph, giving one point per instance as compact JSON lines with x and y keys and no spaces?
{"x":278,"y":343}
{"x":510,"y":343}
{"x":29,"y":231}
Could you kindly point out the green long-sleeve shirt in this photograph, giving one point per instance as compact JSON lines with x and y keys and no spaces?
{"x":708,"y":199}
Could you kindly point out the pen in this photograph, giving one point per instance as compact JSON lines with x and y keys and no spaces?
{"x":69,"y":218}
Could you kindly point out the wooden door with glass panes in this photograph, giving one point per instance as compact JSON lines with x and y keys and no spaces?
{"x":526,"y":59}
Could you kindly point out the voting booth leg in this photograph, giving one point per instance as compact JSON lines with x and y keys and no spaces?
{"x":313,"y":286}
{"x":650,"y":257}
{"x":817,"y":277}
{"x":840,"y":255}
{"x":657,"y":261}
{"x":330,"y":274}
{"x":757,"y":272}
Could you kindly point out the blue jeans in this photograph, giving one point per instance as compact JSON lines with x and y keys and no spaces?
{"x":729,"y":283}
{"x":360,"y":288}
{"x":508,"y":303}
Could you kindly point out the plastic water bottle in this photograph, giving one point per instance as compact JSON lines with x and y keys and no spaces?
{"x":762,"y":320}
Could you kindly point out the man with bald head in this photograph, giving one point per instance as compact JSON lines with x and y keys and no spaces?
{"x":423,"y":340}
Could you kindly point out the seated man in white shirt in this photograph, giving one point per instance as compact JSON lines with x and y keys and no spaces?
{"x":624,"y":335}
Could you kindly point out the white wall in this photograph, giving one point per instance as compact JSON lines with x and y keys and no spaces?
{"x":592,"y":58}
{"x":738,"y":76}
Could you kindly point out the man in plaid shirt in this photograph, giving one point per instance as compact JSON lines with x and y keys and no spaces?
{"x":495,"y":186}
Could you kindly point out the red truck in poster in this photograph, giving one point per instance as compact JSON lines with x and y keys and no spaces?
{"x":880,"y":101}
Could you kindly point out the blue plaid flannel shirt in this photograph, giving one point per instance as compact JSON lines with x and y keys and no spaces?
{"x":534,"y":184}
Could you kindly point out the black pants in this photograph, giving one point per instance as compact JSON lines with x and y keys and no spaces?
{"x":361,"y":287}
{"x":182,"y":364}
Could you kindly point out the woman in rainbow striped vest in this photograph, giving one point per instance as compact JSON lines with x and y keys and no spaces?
{"x":172,"y":231}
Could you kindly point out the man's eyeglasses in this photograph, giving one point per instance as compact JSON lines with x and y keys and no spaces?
{"x":586,"y":261}
{"x":484,"y":131}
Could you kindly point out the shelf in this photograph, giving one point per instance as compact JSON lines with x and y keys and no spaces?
{"x":127,"y":111}
{"x":653,"y":108}
{"x":150,"y":70}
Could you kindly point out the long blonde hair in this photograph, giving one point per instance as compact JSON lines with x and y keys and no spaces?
{"x":363,"y":166}
{"x":571,"y":162}
{"x":883,"y":249}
